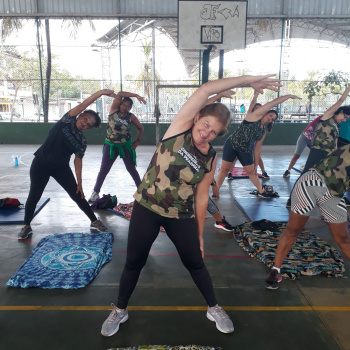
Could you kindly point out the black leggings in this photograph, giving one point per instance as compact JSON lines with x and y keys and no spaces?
{"x":40,"y":173}
{"x":143,"y":230}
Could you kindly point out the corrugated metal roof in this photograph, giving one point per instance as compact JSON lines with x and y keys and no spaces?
{"x":168,"y":8}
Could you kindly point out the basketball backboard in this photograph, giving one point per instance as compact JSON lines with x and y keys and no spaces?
{"x":219,"y":23}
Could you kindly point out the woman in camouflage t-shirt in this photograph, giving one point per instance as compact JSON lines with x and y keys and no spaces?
{"x":239,"y":144}
{"x":327,"y":131}
{"x":118,"y":140}
{"x":178,"y":177}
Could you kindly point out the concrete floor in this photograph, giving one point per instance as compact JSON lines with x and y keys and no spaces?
{"x":71,"y":319}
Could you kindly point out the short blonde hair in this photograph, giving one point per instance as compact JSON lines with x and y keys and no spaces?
{"x":221,"y":112}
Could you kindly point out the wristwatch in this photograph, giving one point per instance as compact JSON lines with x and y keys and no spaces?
{"x":213,"y":183}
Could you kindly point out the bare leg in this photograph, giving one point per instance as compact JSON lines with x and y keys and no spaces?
{"x":234,"y":164}
{"x":261,"y":165}
{"x":293,"y":229}
{"x":293,"y":161}
{"x":341,"y":236}
{"x":217,"y":217}
{"x":249,"y":169}
{"x":225,"y":168}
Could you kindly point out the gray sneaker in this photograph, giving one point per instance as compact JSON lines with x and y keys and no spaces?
{"x":222,"y":320}
{"x":115,"y":318}
{"x":97,"y":226}
{"x":25,"y":233}
{"x":94,"y":196}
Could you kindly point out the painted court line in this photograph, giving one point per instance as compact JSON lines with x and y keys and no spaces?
{"x":174,"y":308}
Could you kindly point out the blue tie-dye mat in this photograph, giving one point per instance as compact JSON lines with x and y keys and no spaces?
{"x":69,"y":261}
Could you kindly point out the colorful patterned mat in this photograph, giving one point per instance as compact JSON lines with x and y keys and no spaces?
{"x":168,"y":347}
{"x":69,"y":261}
{"x":309,"y":256}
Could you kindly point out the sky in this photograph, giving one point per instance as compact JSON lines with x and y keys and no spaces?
{"x":79,"y":58}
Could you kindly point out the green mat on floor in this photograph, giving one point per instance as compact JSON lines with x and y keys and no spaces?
{"x":169,"y":347}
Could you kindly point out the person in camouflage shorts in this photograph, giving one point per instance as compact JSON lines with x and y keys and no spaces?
{"x":323,"y":186}
{"x":118,"y":140}
{"x":174,"y":194}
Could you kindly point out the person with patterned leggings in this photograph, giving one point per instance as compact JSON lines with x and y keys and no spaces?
{"x":52,"y":160}
{"x":174,"y":194}
{"x":323,"y":186}
{"x":118,"y":140}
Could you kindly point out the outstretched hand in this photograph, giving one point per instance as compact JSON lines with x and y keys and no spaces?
{"x":294,"y":97}
{"x":266,"y":82}
{"x":141,"y":99}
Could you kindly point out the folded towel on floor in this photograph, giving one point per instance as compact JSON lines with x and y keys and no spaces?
{"x":69,"y":261}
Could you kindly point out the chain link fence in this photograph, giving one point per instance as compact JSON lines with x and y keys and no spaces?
{"x":139,"y":66}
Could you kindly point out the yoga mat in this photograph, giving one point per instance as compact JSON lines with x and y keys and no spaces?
{"x":69,"y":261}
{"x":239,"y":173}
{"x":257,"y":208}
{"x":309,"y":255}
{"x":16,"y":216}
{"x":298,"y":170}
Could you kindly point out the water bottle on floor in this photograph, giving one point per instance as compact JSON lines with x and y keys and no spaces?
{"x":15,"y":160}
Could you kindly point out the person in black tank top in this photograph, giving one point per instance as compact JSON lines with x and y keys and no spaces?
{"x":179,"y":175}
{"x":239,"y":144}
{"x":52,"y":160}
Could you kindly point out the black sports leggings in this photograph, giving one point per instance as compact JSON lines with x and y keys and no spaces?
{"x":143,"y":230}
{"x":40,"y":173}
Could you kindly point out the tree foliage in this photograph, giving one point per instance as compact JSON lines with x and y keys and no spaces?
{"x":333,"y":82}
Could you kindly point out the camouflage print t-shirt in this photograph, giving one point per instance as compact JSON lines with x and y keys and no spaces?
{"x":247,"y":133}
{"x":169,"y":184}
{"x":118,"y":128}
{"x":335,"y":170}
{"x":326,"y":135}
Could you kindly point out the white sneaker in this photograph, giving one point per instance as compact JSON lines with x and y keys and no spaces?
{"x":222,"y":320}
{"x":113,"y":321}
{"x":94,"y":196}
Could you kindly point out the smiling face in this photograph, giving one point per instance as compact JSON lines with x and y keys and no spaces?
{"x":85,"y":121}
{"x":205,"y":130}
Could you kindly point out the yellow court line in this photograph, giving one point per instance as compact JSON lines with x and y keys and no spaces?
{"x":173,"y":308}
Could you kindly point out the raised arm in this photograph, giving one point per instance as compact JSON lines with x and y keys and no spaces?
{"x":227,"y":94}
{"x":253,"y":102}
{"x":330,"y":111}
{"x":185,"y":117}
{"x":259,"y":113}
{"x":119,"y":97}
{"x":91,"y":99}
